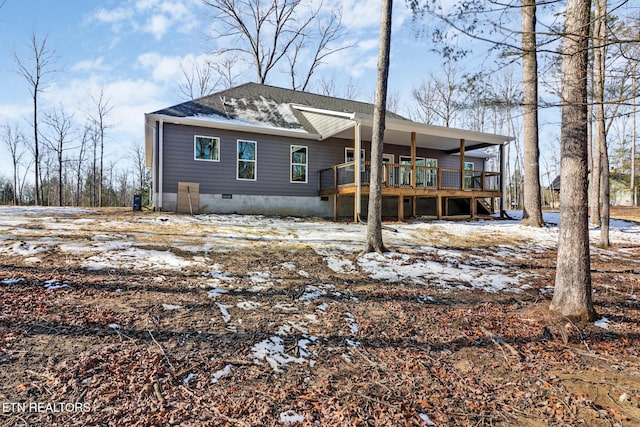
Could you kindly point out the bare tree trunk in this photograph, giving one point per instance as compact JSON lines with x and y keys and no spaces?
{"x":102,"y":110}
{"x":572,"y":295}
{"x":595,"y":175}
{"x":600,"y":139}
{"x":34,"y":73}
{"x":634,"y":200}
{"x":374,"y":217}
{"x":532,"y":210}
{"x":14,"y":139}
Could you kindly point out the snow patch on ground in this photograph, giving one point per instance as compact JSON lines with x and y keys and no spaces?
{"x":226,"y":371}
{"x":137,"y":259}
{"x":290,"y":417}
{"x":273,"y":352}
{"x":397,"y":267}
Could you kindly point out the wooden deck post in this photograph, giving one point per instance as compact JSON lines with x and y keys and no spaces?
{"x":355,"y":208}
{"x":335,"y":207}
{"x":502,"y":183}
{"x":400,"y":207}
{"x":357,"y":199}
{"x":473,"y":208}
{"x":462,"y":164}
{"x":413,"y":160}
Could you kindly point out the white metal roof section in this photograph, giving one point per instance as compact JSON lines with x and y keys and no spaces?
{"x":327,"y":123}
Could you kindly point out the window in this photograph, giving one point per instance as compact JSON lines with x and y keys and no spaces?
{"x":247,"y":157}
{"x":206,"y":148}
{"x":299,"y":162}
{"x":405,"y":170}
{"x":349,"y":157}
{"x":431,"y":173}
{"x":468,"y":175}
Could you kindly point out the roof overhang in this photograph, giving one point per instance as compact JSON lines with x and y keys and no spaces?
{"x":336,"y":124}
{"x":339,"y":125}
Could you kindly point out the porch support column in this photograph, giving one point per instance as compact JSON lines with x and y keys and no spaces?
{"x":473,"y":207}
{"x":160,"y":164}
{"x":413,"y":160}
{"x":358,"y":196}
{"x":414,"y":173}
{"x":462,"y":164}
{"x":502,"y":183}
{"x":400,"y":207}
{"x":438,"y":207}
{"x":335,"y":207}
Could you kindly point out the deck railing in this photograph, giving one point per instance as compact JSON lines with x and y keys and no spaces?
{"x":399,"y":176}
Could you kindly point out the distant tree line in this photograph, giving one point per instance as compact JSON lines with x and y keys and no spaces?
{"x":66,"y":154}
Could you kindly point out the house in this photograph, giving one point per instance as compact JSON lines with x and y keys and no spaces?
{"x":620,"y":193}
{"x":259,"y":149}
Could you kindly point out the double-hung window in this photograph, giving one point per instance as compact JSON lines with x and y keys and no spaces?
{"x":247,"y":159}
{"x":206,"y":148}
{"x":299,"y":163}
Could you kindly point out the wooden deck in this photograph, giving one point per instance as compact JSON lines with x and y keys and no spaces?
{"x":420,"y":182}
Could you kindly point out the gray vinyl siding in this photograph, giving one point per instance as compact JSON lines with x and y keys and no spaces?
{"x":273,"y":161}
{"x":272,"y":166}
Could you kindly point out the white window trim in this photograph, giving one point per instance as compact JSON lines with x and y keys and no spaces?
{"x":255,"y":161}
{"x":194,"y":148}
{"x":291,"y":164}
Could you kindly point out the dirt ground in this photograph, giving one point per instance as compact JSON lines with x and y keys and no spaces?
{"x":107,"y":351}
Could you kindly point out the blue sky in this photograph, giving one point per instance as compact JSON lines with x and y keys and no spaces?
{"x":133,"y":48}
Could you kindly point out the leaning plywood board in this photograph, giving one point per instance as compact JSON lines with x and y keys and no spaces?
{"x":188,"y":197}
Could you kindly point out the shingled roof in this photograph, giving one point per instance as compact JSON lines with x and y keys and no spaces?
{"x":266,"y":105}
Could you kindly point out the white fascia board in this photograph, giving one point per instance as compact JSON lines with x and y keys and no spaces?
{"x":345,"y":115}
{"x":234,"y":126}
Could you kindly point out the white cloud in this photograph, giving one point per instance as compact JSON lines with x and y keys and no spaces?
{"x":15,"y":113}
{"x":158,"y":25}
{"x":113,"y":16}
{"x":166,"y":68}
{"x":144,"y":5}
{"x":90,"y":65}
{"x":368,"y":44}
{"x":150,"y":16}
{"x":163,"y":68}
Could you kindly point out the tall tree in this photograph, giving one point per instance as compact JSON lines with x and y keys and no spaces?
{"x":532,"y":210}
{"x":266,"y":32}
{"x":14,"y":140}
{"x":600,"y":132}
{"x":440,"y":99}
{"x":485,"y":21}
{"x":318,"y":48}
{"x":35,"y":67}
{"x":572,"y":294}
{"x":374,"y":240}
{"x":60,"y":128}
{"x":198,"y":78}
{"x":82,"y":153}
{"x":99,"y":119}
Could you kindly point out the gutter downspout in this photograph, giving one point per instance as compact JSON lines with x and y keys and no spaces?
{"x":160,"y":161}
{"x":358,"y":170}
{"x":154,"y":169}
